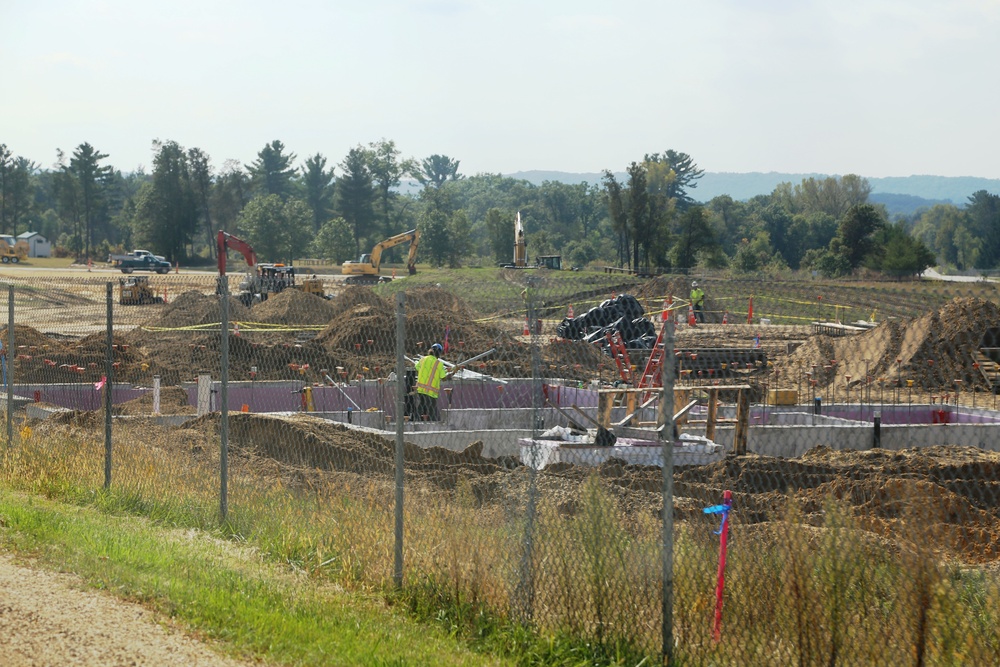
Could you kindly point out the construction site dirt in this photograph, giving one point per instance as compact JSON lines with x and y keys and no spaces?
{"x":947,"y":487}
{"x":355,"y":332}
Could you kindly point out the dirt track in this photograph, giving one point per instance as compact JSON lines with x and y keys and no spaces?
{"x":46,"y":619}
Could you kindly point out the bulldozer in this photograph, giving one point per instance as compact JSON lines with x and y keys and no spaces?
{"x":136,"y":291}
{"x":12,"y":251}
{"x":365,"y":271}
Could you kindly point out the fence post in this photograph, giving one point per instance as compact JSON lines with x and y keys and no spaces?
{"x":9,"y":362}
{"x":667,"y":443}
{"x":526,"y":585}
{"x":108,"y":382}
{"x":397,"y":574}
{"x":224,"y":399}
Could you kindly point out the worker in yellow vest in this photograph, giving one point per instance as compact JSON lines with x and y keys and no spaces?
{"x":698,"y":302}
{"x":430,"y":371}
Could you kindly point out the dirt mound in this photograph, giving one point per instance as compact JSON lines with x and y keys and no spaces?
{"x":26,"y":338}
{"x":194,"y":308}
{"x":933,"y":350}
{"x":575,"y":359}
{"x":302,"y":441}
{"x":440,"y":301}
{"x":364,"y":329}
{"x":293,"y":307}
{"x":662,"y":286}
{"x":354,"y":296}
{"x":946,"y":494}
{"x":173,"y":401}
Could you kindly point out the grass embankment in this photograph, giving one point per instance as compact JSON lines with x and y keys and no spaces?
{"x":223,"y":591}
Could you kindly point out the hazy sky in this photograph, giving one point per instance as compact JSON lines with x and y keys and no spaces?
{"x":873,"y":87}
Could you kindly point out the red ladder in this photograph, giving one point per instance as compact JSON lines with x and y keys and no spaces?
{"x":652,"y":375}
{"x":620,"y":355}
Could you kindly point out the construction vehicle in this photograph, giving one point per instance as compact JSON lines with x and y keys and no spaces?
{"x":553,"y":262}
{"x":520,"y":243}
{"x":136,"y":291}
{"x":141,"y":260}
{"x":263,"y":280}
{"x":12,"y":251}
{"x":365,"y":271}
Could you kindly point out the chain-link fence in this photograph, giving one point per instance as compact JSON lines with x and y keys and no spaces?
{"x":507,"y":446}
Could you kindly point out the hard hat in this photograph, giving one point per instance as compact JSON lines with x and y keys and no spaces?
{"x":694,"y":283}
{"x":436,"y":347}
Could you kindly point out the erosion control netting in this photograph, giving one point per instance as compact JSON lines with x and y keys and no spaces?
{"x":933,"y":350}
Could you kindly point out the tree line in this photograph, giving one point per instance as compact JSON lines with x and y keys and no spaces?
{"x":650,"y":219}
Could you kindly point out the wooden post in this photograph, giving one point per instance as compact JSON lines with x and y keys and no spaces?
{"x":681,"y":398}
{"x":605,"y":401}
{"x":713,"y":408}
{"x":742,"y":422}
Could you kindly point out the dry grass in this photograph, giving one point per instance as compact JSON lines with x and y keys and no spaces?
{"x":796,"y":594}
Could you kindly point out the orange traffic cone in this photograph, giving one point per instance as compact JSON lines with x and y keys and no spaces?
{"x":725,"y":317}
{"x":527,"y":331}
{"x":569,"y":312}
{"x":668,"y":304}
{"x":750,"y":311}
{"x":236,"y":328}
{"x":691,"y":321}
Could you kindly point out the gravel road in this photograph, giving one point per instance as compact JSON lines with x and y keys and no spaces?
{"x":47,"y":620}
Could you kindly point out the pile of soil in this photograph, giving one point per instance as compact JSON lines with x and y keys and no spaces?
{"x":945,"y":496}
{"x":301,"y":442}
{"x":173,"y":401}
{"x":42,"y":359}
{"x":364,"y":329}
{"x":576,"y":360}
{"x":933,"y":350}
{"x":294,"y":307}
{"x":194,"y":308}
{"x":29,"y":340}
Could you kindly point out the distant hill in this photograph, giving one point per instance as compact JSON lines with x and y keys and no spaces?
{"x":918,"y":190}
{"x":903,"y":204}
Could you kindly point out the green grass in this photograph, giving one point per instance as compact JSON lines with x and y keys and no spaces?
{"x":223,"y":591}
{"x":48,"y":262}
{"x":492,"y":290}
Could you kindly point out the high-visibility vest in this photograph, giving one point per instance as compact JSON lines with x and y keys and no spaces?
{"x":430,"y":371}
{"x":697,"y":297}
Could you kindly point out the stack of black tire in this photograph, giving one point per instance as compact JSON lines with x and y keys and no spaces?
{"x":623,"y":314}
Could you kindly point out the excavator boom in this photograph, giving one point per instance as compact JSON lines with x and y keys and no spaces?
{"x":366,"y":269}
{"x":225,"y":241}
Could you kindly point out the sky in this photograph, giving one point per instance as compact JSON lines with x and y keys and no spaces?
{"x":871,"y":87}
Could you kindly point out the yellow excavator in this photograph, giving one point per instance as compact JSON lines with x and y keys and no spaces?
{"x":365,"y":271}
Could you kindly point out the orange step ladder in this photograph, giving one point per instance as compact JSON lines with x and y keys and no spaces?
{"x":652,"y":374}
{"x":620,"y":355}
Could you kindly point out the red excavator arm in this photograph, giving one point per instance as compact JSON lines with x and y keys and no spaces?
{"x":225,"y":241}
